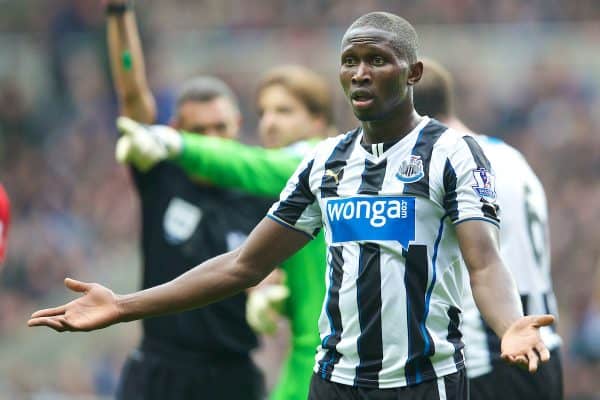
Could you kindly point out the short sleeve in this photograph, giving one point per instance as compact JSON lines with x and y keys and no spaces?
{"x":298,"y":207}
{"x":469,"y":184}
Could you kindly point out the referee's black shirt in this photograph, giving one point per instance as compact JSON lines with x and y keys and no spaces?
{"x":183,"y":224}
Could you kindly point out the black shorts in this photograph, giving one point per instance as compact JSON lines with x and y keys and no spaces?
{"x":511,"y":382}
{"x":450,"y":387}
{"x":151,"y":376}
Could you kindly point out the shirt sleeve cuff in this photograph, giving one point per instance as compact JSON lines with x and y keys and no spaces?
{"x":287,"y":225}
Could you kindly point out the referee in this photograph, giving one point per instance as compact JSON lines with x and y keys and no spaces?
{"x":406,"y":203}
{"x":295,"y":112}
{"x":194,"y":354}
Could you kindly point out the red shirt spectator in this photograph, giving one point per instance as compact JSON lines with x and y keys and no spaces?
{"x":4,"y":221}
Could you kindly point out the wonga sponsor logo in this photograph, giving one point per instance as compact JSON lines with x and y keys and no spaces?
{"x":372,"y":218}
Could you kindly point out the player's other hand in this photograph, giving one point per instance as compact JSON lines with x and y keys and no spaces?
{"x":96,"y":309}
{"x":522,"y":343}
{"x":143,"y":146}
{"x":264,"y":306}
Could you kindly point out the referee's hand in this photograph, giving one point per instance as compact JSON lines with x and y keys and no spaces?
{"x":96,"y":309}
{"x":522,"y":343}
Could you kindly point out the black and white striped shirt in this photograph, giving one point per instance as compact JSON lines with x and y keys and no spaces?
{"x":396,"y":278}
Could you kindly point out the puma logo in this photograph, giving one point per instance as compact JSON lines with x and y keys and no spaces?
{"x":333,"y":175}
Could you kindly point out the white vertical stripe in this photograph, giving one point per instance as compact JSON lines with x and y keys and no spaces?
{"x":380,"y":149}
{"x":441,"y":388}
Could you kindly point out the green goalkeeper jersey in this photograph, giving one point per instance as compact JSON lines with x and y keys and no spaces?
{"x":264,"y":172}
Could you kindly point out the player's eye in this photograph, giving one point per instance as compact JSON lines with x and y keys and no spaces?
{"x":284,"y":110}
{"x":378,"y":60}
{"x":349,"y":61}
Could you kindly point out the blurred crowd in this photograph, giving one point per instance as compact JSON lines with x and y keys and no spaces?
{"x":73,"y":205}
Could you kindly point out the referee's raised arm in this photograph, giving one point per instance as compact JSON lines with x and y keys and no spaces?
{"x":267,"y":246}
{"x":127,"y":63}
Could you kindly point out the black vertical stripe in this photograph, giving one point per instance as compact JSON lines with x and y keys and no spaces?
{"x":372,"y":177}
{"x":418,"y":364}
{"x":368,"y":293}
{"x":332,"y":308}
{"x":428,"y":136}
{"x":334,"y":166}
{"x":489,"y":210}
{"x":450,"y":202}
{"x":477,"y":152}
{"x":454,"y":334}
{"x":525,"y":304}
{"x":290,"y":209}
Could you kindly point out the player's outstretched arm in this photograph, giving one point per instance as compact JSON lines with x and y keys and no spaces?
{"x":497,"y":298}
{"x":127,"y":62}
{"x":267,"y":246}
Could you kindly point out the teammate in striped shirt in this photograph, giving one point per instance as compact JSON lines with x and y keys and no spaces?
{"x":403,"y":200}
{"x":525,"y":248}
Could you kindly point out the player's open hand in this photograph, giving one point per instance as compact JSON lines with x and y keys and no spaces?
{"x":522,"y":343}
{"x":96,"y":309}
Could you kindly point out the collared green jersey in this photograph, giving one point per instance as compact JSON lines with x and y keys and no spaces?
{"x":264,"y":172}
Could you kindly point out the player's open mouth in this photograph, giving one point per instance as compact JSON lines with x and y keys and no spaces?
{"x":361,"y":98}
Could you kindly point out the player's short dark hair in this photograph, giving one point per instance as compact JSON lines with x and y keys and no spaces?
{"x":433,"y":94}
{"x":304,"y":84}
{"x":405,"y":40}
{"x":205,"y":89}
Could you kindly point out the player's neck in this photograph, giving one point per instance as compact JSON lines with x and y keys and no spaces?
{"x":390,"y":129}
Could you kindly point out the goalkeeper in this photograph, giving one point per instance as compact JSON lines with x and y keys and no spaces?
{"x":295,"y":111}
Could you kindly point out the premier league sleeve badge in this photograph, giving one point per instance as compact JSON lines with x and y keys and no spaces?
{"x":485,"y":184}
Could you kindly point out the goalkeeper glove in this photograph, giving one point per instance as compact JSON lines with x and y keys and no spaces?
{"x":263,"y":307}
{"x":143,"y":146}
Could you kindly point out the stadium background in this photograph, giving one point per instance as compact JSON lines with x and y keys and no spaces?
{"x":527,"y":71}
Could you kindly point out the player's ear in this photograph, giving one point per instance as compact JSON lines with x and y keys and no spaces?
{"x":415,"y":73}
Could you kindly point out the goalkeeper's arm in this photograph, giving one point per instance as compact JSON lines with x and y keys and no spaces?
{"x":227,"y":163}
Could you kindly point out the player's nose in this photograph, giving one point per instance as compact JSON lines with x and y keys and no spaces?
{"x":362,"y":74}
